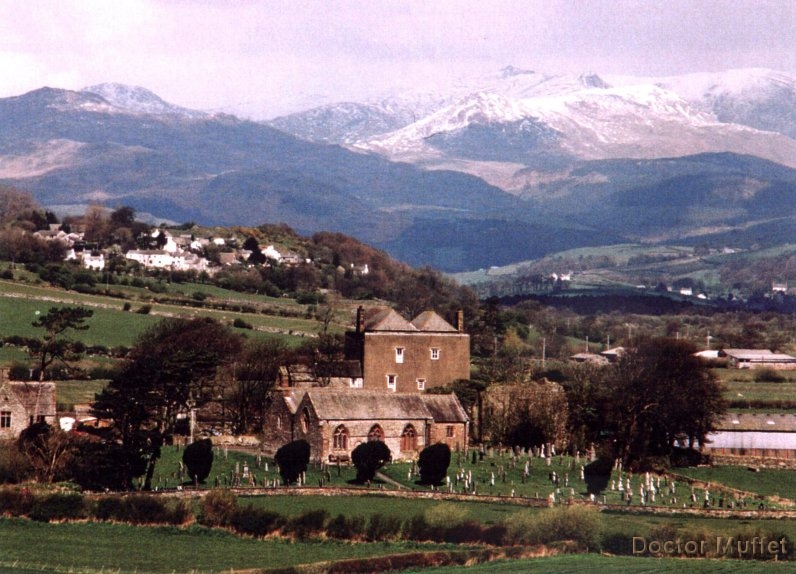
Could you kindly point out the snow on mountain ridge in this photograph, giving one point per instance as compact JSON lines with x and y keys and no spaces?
{"x":138,"y":100}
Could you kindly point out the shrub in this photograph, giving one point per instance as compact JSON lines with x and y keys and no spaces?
{"x":445,"y":515}
{"x":198,"y":458}
{"x":346,"y":527}
{"x":307,"y":524}
{"x":217,"y":508}
{"x":383,"y":527}
{"x":241,"y":324}
{"x":59,"y":506}
{"x":577,"y":523}
{"x":418,"y":528}
{"x":464,"y":532}
{"x":111,"y":508}
{"x":768,"y":375}
{"x":16,"y":502}
{"x":255,"y":521}
{"x":292,"y":459}
{"x":433,"y":463}
{"x":144,"y":309}
{"x":368,"y":458}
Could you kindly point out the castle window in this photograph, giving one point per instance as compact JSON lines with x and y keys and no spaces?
{"x":5,"y":419}
{"x":376,"y":433}
{"x":340,"y":438}
{"x":305,"y":421}
{"x":434,"y":353}
{"x":391,"y":382}
{"x":409,"y":439}
{"x":421,"y":384}
{"x":399,"y":354}
{"x":278,"y":422}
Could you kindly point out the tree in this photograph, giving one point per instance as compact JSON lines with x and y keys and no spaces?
{"x":433,"y":463}
{"x":172,"y":364}
{"x":48,"y":450}
{"x":292,"y":459}
{"x":249,"y":379}
{"x":198,"y":458}
{"x":368,"y":458}
{"x":526,"y":414}
{"x":657,"y":395}
{"x":54,"y":346}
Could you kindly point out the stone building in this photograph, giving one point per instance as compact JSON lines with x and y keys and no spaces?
{"x":334,"y":421}
{"x":408,"y":356}
{"x":378,"y":391}
{"x":24,"y":403}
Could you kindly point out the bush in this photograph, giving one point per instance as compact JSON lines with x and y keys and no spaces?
{"x":346,"y":527}
{"x":368,"y":458}
{"x":433,"y":463}
{"x":383,"y":527}
{"x":768,"y":375}
{"x":445,"y":515}
{"x":217,"y":508}
{"x":59,"y":507}
{"x":16,"y":502}
{"x":256,"y":521}
{"x":241,"y":324}
{"x":307,"y":524}
{"x":292,"y":459}
{"x":577,"y":523}
{"x":198,"y":458}
{"x":144,"y":309}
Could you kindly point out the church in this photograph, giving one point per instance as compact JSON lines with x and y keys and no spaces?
{"x":378,"y":392}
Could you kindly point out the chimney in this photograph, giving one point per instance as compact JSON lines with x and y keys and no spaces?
{"x":360,"y":319}
{"x":460,"y":321}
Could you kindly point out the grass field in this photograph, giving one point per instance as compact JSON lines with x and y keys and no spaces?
{"x":576,"y":563}
{"x":27,"y":546}
{"x":20,"y":303}
{"x":766,"y":481}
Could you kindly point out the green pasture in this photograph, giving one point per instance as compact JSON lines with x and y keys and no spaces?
{"x":765,"y":481}
{"x":575,"y":563}
{"x":762,"y":397}
{"x":71,"y":393}
{"x":88,"y":548}
{"x":111,"y":326}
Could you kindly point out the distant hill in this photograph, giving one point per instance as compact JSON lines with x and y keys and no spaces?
{"x":514,"y":168}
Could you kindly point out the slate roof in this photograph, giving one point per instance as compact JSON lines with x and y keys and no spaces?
{"x":334,"y":404}
{"x":386,"y":320}
{"x":757,"y":355}
{"x":445,"y":408}
{"x":430,"y":321}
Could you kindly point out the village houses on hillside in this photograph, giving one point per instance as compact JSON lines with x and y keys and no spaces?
{"x":174,"y":253}
{"x":377,"y":392}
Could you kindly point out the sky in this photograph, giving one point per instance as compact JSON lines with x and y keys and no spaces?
{"x":264,"y":58}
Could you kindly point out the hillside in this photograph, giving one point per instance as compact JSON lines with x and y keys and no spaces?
{"x":504,"y":169}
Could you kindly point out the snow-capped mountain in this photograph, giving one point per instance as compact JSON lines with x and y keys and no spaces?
{"x":139,"y":100}
{"x":341,"y":123}
{"x":643,"y":121}
{"x":528,"y":117}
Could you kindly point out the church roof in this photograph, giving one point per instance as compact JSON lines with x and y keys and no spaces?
{"x":445,"y":408}
{"x":430,"y":321}
{"x":333,"y":404}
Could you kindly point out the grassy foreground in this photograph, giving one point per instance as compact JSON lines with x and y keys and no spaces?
{"x":27,"y":546}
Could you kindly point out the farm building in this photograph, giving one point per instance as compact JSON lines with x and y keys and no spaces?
{"x":24,"y":403}
{"x":754,"y":435}
{"x":757,"y":358}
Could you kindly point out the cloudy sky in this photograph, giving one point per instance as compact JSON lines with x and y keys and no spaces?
{"x":262,"y":58}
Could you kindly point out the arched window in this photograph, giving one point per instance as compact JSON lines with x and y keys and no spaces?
{"x":376,"y":433}
{"x":409,"y":439}
{"x":340,"y":438}
{"x":305,"y":421}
